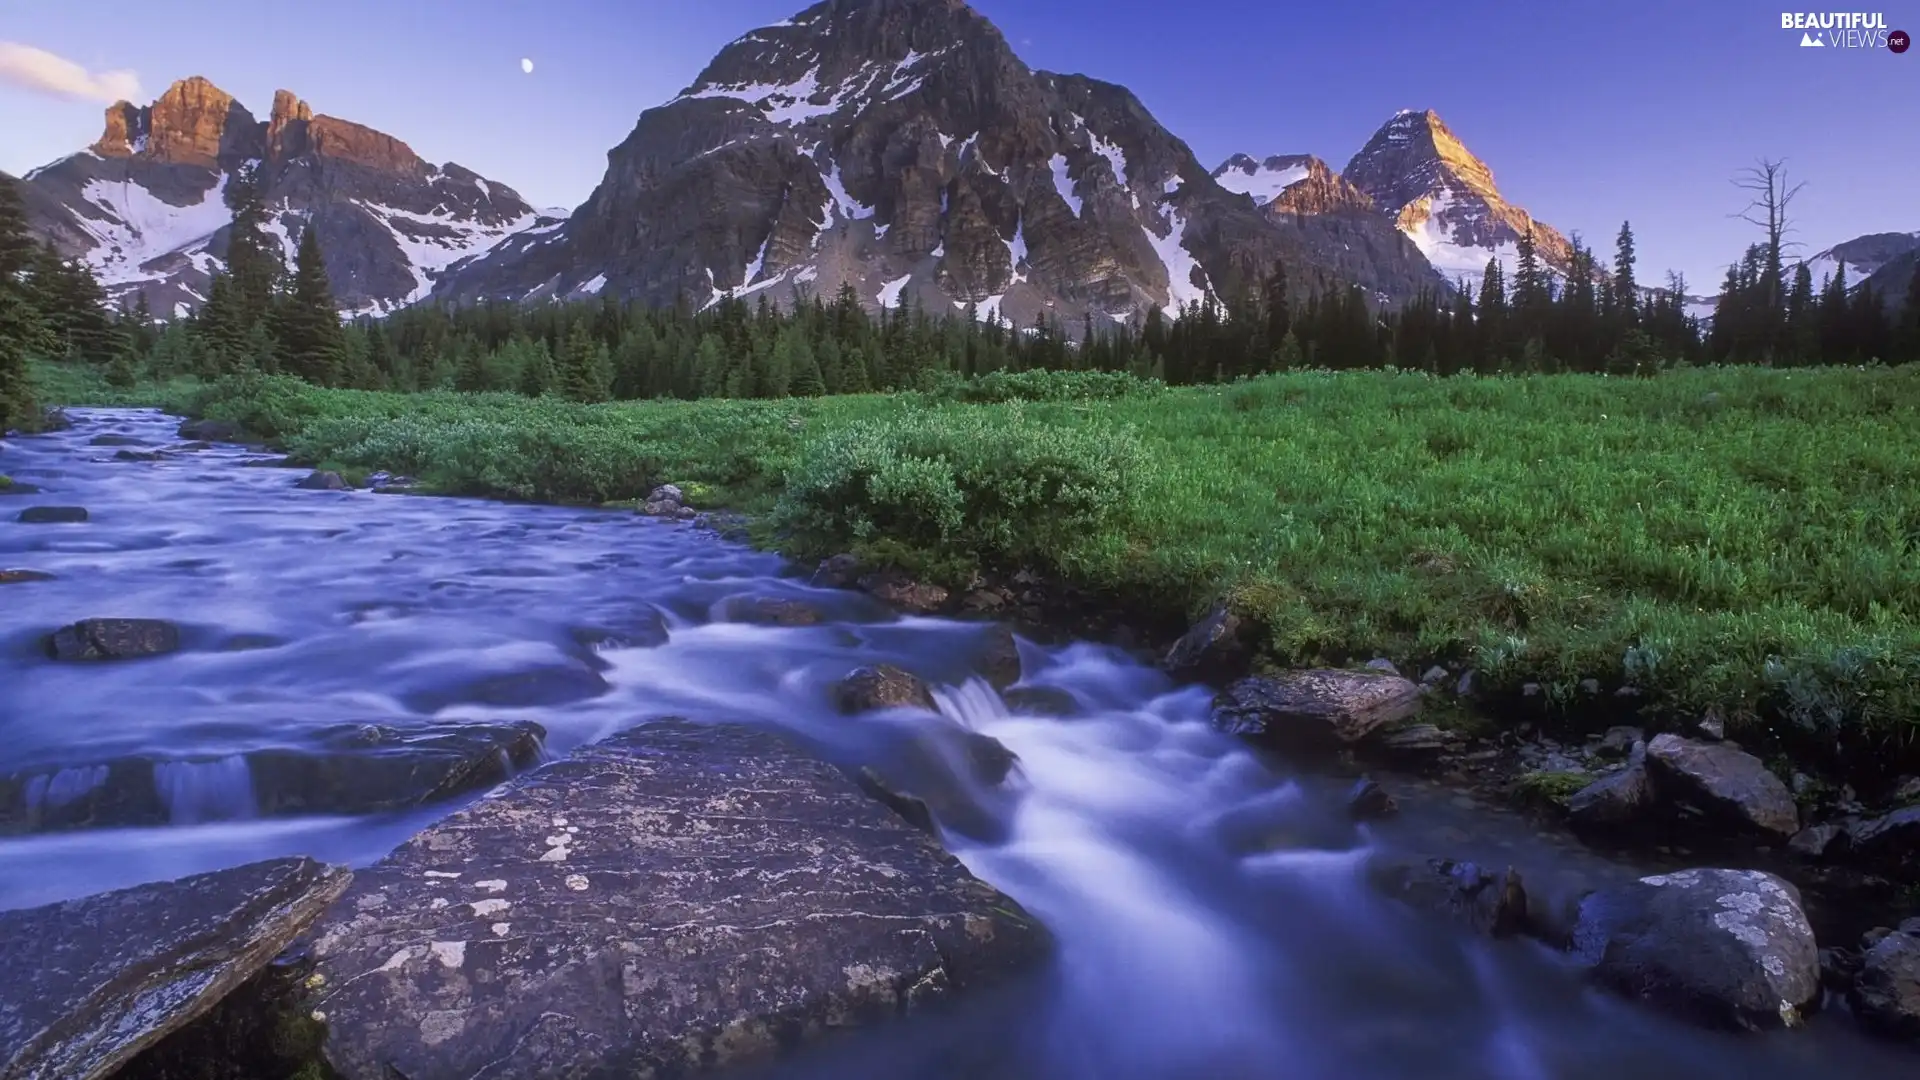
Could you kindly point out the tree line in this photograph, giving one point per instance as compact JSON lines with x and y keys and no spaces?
{"x":262,"y":315}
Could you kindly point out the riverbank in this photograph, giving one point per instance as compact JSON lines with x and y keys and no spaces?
{"x":1727,"y":541}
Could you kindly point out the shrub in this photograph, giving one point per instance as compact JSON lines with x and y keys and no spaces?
{"x":1001,"y":488}
{"x":1002,"y":386}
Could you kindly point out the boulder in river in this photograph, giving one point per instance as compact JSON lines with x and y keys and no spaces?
{"x":53,"y":515}
{"x":547,"y":685}
{"x":1213,"y":642}
{"x":92,"y":982}
{"x":21,"y":577}
{"x":1314,"y":710}
{"x":210,"y":431}
{"x":10,"y":486}
{"x":999,"y":659}
{"x":1886,"y":990}
{"x":113,"y":639}
{"x":677,"y":899}
{"x":1490,"y":903}
{"x":1726,"y":782}
{"x":1367,"y":800}
{"x":324,"y":480}
{"x":897,"y":590}
{"x":53,"y":418}
{"x":1728,"y":948}
{"x":114,"y":440}
{"x":1888,"y":837}
{"x":1620,"y":800}
{"x":882,"y":687}
{"x":769,"y":611}
{"x":353,"y":769}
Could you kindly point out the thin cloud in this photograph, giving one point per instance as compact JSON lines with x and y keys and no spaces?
{"x":45,"y":73}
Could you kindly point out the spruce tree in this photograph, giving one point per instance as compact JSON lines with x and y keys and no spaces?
{"x":537,"y":376}
{"x":306,"y":324}
{"x":21,"y":331}
{"x":585,"y":369}
{"x":1625,"y":292}
{"x":1909,"y":326}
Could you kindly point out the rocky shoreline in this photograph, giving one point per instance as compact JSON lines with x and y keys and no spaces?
{"x":467,"y":942}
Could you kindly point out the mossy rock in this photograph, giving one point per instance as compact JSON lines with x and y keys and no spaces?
{"x":1550,"y":788}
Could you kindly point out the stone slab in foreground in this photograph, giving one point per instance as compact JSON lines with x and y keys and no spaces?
{"x":89,"y":983}
{"x":678,"y":898}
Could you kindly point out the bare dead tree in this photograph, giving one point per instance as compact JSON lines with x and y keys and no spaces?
{"x":1771,"y":194}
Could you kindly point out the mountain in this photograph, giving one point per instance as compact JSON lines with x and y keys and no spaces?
{"x":901,"y":146}
{"x":1893,"y":278}
{"x":1863,"y":255}
{"x":1444,"y":199}
{"x":144,"y":205}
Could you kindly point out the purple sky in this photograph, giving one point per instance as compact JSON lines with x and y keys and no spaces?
{"x":1588,"y":112}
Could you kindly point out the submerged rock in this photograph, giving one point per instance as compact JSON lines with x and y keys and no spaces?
{"x":1728,"y":783}
{"x":139,"y":455}
{"x":52,"y":515}
{"x":882,"y":687}
{"x":53,"y":418}
{"x":21,"y":577}
{"x":9,"y":486}
{"x":92,"y":982}
{"x":999,"y":661}
{"x":114,"y":440}
{"x":323,"y":480}
{"x":838,"y":572}
{"x":1724,"y":947}
{"x":354,"y":769}
{"x":557,"y":684}
{"x":113,"y":639}
{"x":896,"y":589}
{"x":1490,"y":903}
{"x":210,"y":431}
{"x":642,"y":628}
{"x":1886,"y":990}
{"x":1891,"y":836}
{"x":1367,"y":800}
{"x":1314,"y":710}
{"x":769,"y":611}
{"x":677,"y":899}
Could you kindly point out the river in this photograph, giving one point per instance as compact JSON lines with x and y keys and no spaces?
{"x":1184,"y":951}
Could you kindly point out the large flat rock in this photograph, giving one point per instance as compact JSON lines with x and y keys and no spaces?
{"x":675,"y":899}
{"x":89,"y":983}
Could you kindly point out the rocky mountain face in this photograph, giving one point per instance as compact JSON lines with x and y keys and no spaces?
{"x":145,"y":206}
{"x":1444,"y":199}
{"x":1863,"y":256}
{"x":901,"y":146}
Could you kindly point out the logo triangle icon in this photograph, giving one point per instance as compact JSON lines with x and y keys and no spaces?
{"x":1808,"y":41}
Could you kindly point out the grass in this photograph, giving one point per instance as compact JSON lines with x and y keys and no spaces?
{"x":1741,"y":538}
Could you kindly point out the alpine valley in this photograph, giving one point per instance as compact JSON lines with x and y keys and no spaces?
{"x":899,"y":147}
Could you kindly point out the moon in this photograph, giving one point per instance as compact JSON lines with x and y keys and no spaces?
{"x":526,"y":65}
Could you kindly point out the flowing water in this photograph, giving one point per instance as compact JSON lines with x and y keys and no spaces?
{"x":1192,"y":942}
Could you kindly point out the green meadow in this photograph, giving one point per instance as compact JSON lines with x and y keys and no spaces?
{"x":1741,"y":539}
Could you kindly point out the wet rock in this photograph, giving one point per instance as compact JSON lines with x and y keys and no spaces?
{"x":139,"y":455}
{"x":679,"y":898}
{"x":1713,"y":726}
{"x":93,"y":982}
{"x":9,"y":486}
{"x":668,"y":493}
{"x":1468,"y":685}
{"x":1892,"y":836}
{"x":1415,"y":742}
{"x":839,"y":572}
{"x":532,"y":688}
{"x":1819,"y":841}
{"x":53,"y":418}
{"x":52,"y":515}
{"x":770,"y":611}
{"x":209,"y":431}
{"x":1314,"y":710}
{"x":1907,"y":792}
{"x":642,"y":628}
{"x":263,"y":1030}
{"x":197,"y":444}
{"x":1367,"y":801}
{"x":387,"y":482}
{"x":271,"y":463}
{"x":1618,"y":742}
{"x":20,"y":577}
{"x":1617,"y":801}
{"x":1040,"y":701}
{"x":1214,"y":641}
{"x":1729,"y":784}
{"x":113,"y":639}
{"x":900,"y":591}
{"x":882,"y":687}
{"x":351,"y":769}
{"x":1434,"y":676}
{"x":1727,"y":948}
{"x":1886,"y":992}
{"x":1839,"y":967}
{"x":114,"y":440}
{"x":1382,"y":665}
{"x":1490,"y":903}
{"x":323,"y":480}
{"x":999,"y":661}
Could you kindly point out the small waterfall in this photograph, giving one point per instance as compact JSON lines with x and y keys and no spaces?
{"x":201,"y":791}
{"x":54,"y":790}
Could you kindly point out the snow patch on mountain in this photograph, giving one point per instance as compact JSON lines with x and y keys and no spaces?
{"x":434,"y":242}
{"x":139,"y":227}
{"x":1264,"y":182}
{"x":1063,"y":184}
{"x":1179,"y":262}
{"x":889,"y":295}
{"x":1111,"y":151}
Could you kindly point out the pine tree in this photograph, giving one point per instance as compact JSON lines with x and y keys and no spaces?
{"x":585,"y":372}
{"x":537,"y":376}
{"x":709,"y":368}
{"x":1908,"y":341}
{"x":306,"y":324}
{"x":1625,"y":292}
{"x":1803,"y":332}
{"x":1288,"y":357}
